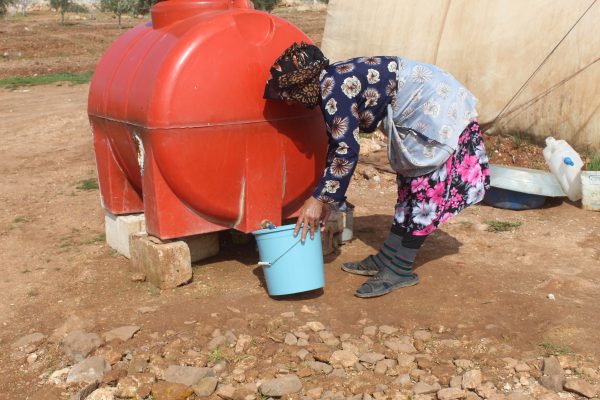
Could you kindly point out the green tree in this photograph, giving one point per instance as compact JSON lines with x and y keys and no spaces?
{"x":143,"y":6}
{"x":265,"y":5}
{"x":61,"y":6}
{"x":4,"y":5}
{"x":119,"y":7}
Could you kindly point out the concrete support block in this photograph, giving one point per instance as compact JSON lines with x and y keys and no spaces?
{"x":332,"y":236}
{"x":118,"y":228}
{"x":202,"y":246}
{"x":165,"y":265}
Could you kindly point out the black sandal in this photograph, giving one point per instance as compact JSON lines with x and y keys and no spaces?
{"x":366,"y":267}
{"x":384,"y":283}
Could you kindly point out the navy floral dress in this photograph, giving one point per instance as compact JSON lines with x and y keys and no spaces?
{"x":355,"y":94}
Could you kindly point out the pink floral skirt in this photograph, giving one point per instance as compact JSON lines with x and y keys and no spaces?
{"x":424,"y":202}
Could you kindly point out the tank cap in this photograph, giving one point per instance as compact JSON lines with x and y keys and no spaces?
{"x":568,"y":161}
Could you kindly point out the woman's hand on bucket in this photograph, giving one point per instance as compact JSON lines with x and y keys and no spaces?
{"x":311,"y":214}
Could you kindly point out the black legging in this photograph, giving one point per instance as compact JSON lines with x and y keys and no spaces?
{"x":409,"y":241}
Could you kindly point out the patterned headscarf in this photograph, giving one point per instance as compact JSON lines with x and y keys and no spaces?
{"x":295,"y":75}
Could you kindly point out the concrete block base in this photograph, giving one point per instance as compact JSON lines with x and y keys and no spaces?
{"x":202,"y":246}
{"x":338,"y":229}
{"x":332,"y":236}
{"x":165,"y":265}
{"x":118,"y":228}
{"x":168,"y":264}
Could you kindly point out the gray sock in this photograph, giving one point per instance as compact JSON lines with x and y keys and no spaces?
{"x":395,"y":257}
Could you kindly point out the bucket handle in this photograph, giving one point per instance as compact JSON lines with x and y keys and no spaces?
{"x":268,"y":264}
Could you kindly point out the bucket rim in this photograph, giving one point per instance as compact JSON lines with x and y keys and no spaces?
{"x":282,"y":228}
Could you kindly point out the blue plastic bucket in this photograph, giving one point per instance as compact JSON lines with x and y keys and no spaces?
{"x":289,"y":265}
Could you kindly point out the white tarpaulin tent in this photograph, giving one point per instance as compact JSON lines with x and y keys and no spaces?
{"x":533,"y":64}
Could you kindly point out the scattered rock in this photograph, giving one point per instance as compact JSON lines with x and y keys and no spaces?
{"x":343,"y":358}
{"x":289,"y":314}
{"x":522,"y":367}
{"x":137,"y":277}
{"x":186,"y":375}
{"x":553,"y":377}
{"x":315,"y":326}
{"x":302,"y":354}
{"x":86,"y":391}
{"x":321,"y":367}
{"x":78,"y":344}
{"x":290,"y":339}
{"x":387,"y":330}
{"x":58,"y":377}
{"x":452,"y":343}
{"x":72,"y":323}
{"x":33,"y":340}
{"x":315,"y":393}
{"x":89,"y":370}
{"x":370,"y":330}
{"x":424,"y":388}
{"x":369,"y":172}
{"x":371,"y":358}
{"x":381,"y":367}
{"x":321,"y":352}
{"x":451,"y":394}
{"x":205,"y":386}
{"x":127,"y":388}
{"x":405,"y":360}
{"x":216,"y":342}
{"x":400,"y":347}
{"x":424,"y":362}
{"x":32,"y":358}
{"x":170,"y":391}
{"x":242,"y":343}
{"x":101,"y":394}
{"x":282,"y":386}
{"x":147,"y":310}
{"x":471,"y":379}
{"x":422,"y":335}
{"x":113,"y":376}
{"x":226,"y":392}
{"x":580,"y":387}
{"x":464,"y":364}
{"x":123,"y":333}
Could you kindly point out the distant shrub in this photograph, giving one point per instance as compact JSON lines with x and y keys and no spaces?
{"x":4,"y":5}
{"x":265,"y":5}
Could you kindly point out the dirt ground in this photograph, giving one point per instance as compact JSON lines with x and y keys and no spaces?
{"x":479,"y":285}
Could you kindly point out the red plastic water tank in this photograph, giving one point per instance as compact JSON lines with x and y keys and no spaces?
{"x":181,"y":131}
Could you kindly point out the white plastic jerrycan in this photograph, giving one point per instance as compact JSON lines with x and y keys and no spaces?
{"x":565,"y":164}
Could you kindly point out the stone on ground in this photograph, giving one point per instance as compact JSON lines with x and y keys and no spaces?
{"x":387,"y":330}
{"x":101,"y":394}
{"x":371,"y":357}
{"x":553,"y":377}
{"x":424,"y":388}
{"x":89,"y":370}
{"x":205,"y":386}
{"x":226,"y":392}
{"x":422,"y":335}
{"x":451,"y":394}
{"x":186,"y":375}
{"x":170,"y":391}
{"x":79,"y":344}
{"x":122,"y":333}
{"x":343,"y":358}
{"x":33,"y":339}
{"x":315,"y":326}
{"x":282,"y":386}
{"x":471,"y":379}
{"x":580,"y":387}
{"x":165,"y":264}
